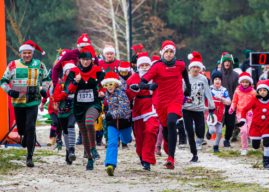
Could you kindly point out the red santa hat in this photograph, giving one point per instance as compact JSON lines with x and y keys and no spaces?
{"x":137,"y":48}
{"x":245,"y":76}
{"x":67,"y":65}
{"x":124,"y":66}
{"x":83,"y":40}
{"x":111,"y":77}
{"x":143,"y":58}
{"x":263,"y":84}
{"x":32,"y":46}
{"x":195,"y":60}
{"x":155,"y":58}
{"x":167,"y":44}
{"x":109,"y":49}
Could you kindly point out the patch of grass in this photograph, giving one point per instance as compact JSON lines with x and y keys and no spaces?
{"x":213,"y":180}
{"x":7,"y":156}
{"x":171,"y":190}
{"x":228,"y":153}
{"x":255,"y":153}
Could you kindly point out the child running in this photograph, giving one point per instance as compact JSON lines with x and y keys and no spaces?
{"x":118,"y":119}
{"x":242,"y":95}
{"x":259,"y":129}
{"x":194,"y":110}
{"x":221,"y":98}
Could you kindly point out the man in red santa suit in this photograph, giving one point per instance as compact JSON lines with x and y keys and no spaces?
{"x":144,"y":115}
{"x":110,"y":63}
{"x":259,"y":129}
{"x":168,"y":74}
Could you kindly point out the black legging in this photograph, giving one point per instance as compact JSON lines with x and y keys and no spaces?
{"x":170,"y":133}
{"x":229,"y":121}
{"x":198,"y":118}
{"x":26,"y":120}
{"x":256,"y":143}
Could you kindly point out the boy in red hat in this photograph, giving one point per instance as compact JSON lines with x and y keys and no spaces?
{"x":21,"y":81}
{"x":168,"y":74}
{"x":259,"y":129}
{"x":118,"y":119}
{"x":194,"y":111}
{"x":144,"y":115}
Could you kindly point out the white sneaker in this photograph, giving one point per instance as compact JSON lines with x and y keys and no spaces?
{"x":244,"y":152}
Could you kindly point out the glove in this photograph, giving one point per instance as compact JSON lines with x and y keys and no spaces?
{"x":241,"y":123}
{"x":134,"y":87}
{"x":13,"y":93}
{"x":109,"y":117}
{"x":43,"y":93}
{"x":231,"y":111}
{"x":187,"y":92}
{"x":143,"y":85}
{"x":211,"y":111}
{"x":153,"y":86}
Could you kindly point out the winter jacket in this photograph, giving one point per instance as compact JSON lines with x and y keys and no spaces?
{"x":119,"y":108}
{"x":241,"y":98}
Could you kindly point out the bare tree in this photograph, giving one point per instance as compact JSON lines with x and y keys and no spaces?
{"x":106,"y":22}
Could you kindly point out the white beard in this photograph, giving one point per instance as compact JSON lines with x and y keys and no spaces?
{"x":142,"y":72}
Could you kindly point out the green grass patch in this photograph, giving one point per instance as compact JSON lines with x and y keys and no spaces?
{"x":9,"y":155}
{"x":213,"y":180}
{"x":228,"y":153}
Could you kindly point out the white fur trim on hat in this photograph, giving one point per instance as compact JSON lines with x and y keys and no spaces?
{"x":108,"y":80}
{"x":197,"y":64}
{"x":263,"y":86}
{"x":142,"y":60}
{"x":124,"y":69}
{"x":26,"y":47}
{"x":245,"y":78}
{"x":109,"y":50}
{"x":166,"y":48}
{"x":68,"y":66}
{"x":83,"y":44}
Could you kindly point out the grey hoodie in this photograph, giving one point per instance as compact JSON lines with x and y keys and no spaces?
{"x":199,"y":90}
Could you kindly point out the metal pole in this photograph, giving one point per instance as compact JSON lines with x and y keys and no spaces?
{"x":130,"y":28}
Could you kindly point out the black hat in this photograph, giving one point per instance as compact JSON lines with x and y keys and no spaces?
{"x":216,"y":74}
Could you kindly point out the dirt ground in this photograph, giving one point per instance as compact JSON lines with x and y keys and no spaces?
{"x":211,"y":173}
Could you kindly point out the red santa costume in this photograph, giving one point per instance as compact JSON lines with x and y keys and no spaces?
{"x":111,"y":65}
{"x":260,"y":122}
{"x":259,"y":128}
{"x":144,"y":115}
{"x":168,"y":76}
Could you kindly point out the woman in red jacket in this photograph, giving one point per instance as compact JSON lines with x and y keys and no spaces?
{"x":168,"y":74}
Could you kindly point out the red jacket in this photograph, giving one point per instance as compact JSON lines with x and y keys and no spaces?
{"x":169,"y":81}
{"x":143,"y":107}
{"x":260,"y":111}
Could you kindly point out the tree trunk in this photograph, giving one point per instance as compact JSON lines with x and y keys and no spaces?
{"x":114,"y":30}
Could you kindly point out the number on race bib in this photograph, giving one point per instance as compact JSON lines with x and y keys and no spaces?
{"x":85,"y":96}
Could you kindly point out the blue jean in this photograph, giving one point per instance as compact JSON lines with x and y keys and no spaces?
{"x":112,"y":147}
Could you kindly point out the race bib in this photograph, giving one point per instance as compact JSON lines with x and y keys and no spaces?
{"x":85,"y":96}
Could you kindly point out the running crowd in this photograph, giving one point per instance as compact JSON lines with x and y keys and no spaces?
{"x":157,"y":100}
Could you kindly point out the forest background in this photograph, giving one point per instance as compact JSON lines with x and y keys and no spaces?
{"x":207,"y":26}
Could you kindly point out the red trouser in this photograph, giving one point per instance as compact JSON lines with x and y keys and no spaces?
{"x":146,"y":137}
